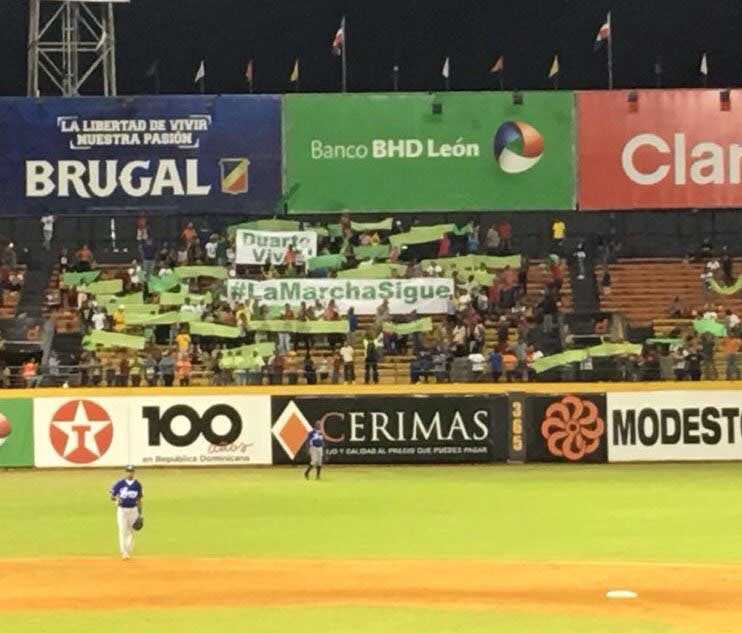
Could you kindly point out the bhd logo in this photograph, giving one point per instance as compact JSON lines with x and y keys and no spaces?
{"x":572,"y":428}
{"x":518,"y":146}
{"x":81,"y":431}
{"x":291,"y":429}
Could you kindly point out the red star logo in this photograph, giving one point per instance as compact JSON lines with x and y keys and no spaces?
{"x":81,"y":431}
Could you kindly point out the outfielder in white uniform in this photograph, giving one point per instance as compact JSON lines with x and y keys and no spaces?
{"x":127,"y":494}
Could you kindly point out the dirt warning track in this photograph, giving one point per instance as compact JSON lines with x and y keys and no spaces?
{"x":707,"y":598}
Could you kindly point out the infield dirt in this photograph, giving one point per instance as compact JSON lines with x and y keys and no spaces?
{"x":697,"y":597}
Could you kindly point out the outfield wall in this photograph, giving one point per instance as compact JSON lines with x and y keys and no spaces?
{"x":425,"y":424}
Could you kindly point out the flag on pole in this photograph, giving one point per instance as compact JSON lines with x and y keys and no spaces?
{"x":248,"y":72}
{"x":200,"y":73}
{"x":704,"y":69}
{"x":554,"y":70}
{"x":338,"y":41}
{"x":153,"y":69}
{"x":446,"y":70}
{"x":295,"y":72}
{"x":499,"y":65}
{"x":604,"y":33}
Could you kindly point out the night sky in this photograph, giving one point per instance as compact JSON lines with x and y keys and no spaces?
{"x":416,"y":34}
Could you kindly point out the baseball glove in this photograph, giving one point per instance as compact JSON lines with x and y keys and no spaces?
{"x":139,"y":523}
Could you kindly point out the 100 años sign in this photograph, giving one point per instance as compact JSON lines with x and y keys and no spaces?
{"x":389,"y":429}
{"x":426,"y":295}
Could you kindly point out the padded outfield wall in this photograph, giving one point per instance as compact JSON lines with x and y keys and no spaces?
{"x":429,"y":424}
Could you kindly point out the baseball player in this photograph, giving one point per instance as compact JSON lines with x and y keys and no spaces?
{"x":127,"y":494}
{"x":316,"y":450}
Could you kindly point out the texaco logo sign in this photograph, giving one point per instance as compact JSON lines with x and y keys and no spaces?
{"x":81,"y":431}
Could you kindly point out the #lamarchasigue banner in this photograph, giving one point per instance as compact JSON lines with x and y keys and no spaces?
{"x":426,"y":295}
{"x":663,"y":149}
{"x":269,"y":247}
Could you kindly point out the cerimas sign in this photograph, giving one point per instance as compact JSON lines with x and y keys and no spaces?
{"x":675,"y":425}
{"x":181,"y":153}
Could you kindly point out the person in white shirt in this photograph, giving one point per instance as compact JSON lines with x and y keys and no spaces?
{"x":347,"y":354}
{"x":47,"y":224}
{"x":99,"y":320}
{"x":210,"y":248}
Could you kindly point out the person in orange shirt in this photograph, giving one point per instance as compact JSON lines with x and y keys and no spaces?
{"x":183,"y":369}
{"x":189,"y":234}
{"x":29,"y":372}
{"x":730,"y":347}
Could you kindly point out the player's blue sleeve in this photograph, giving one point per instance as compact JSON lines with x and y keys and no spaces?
{"x":115,"y":489}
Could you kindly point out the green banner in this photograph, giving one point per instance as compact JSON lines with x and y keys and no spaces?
{"x":372,"y":251}
{"x":709,"y":325}
{"x":727,"y":290}
{"x":190,"y":272}
{"x":576,"y":355}
{"x":16,"y":432}
{"x":300,"y":327}
{"x":265,"y":225}
{"x":202,"y":328}
{"x":459,"y":151}
{"x":163,"y":283}
{"x":72,"y":280}
{"x":473,"y":262}
{"x":178,"y":298}
{"x":421,"y":325}
{"x":328,"y":262}
{"x":105,"y":287}
{"x":166,"y":318}
{"x":242,"y":357}
{"x":421,"y":234}
{"x":111,"y":302}
{"x":373,"y":271}
{"x":383,"y":225}
{"x":101,"y":338}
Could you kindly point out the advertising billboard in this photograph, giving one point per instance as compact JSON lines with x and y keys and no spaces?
{"x":675,"y":426}
{"x":393,"y":429}
{"x":666,"y":149}
{"x":16,"y":432}
{"x":416,"y":152}
{"x":155,"y":153}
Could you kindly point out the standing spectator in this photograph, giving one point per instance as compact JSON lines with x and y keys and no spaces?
{"x":84,"y":259}
{"x":183,"y":340}
{"x":558,"y":233}
{"x":495,"y":362}
{"x":136,"y":371}
{"x":383,"y":314}
{"x":371,"y":363}
{"x":337,"y":366}
{"x":730,"y":346}
{"x":289,"y":256}
{"x":505,"y":230}
{"x":255,"y":372}
{"x":167,"y":368}
{"x":47,"y":230}
{"x":150,"y":370}
{"x":693,"y":360}
{"x":310,"y":371}
{"x":708,"y":346}
{"x":96,"y":371}
{"x":122,"y":375}
{"x":9,"y":257}
{"x":679,"y":363}
{"x":444,"y":246}
{"x":291,"y":368}
{"x":323,"y":371}
{"x":211,"y":248}
{"x":492,"y":241}
{"x":111,"y":371}
{"x":510,"y":364}
{"x":347,"y":354}
{"x":352,"y":324}
{"x":275,"y":369}
{"x":731,"y":321}
{"x":183,"y":369}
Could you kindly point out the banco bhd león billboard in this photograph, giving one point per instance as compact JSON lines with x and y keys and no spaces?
{"x":410,"y":152}
{"x":164,"y":153}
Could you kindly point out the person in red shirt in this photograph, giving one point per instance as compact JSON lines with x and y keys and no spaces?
{"x":444,"y":246}
{"x":189,"y":234}
{"x":289,"y":257}
{"x":505,"y":230}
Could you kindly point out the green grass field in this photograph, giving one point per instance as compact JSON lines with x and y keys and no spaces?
{"x":666,"y":513}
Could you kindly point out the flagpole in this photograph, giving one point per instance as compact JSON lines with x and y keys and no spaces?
{"x":344,"y":55}
{"x":610,"y":53}
{"x":395,"y":77}
{"x":157,"y":81}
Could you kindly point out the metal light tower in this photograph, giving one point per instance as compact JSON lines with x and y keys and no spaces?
{"x":71,"y":43}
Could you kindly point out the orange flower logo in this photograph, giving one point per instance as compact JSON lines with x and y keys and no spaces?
{"x":572,"y":428}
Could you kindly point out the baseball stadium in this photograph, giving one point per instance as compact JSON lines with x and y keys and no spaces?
{"x":373,"y":317}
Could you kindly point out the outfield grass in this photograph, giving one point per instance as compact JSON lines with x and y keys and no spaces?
{"x":540,"y":512}
{"x":332,"y":620}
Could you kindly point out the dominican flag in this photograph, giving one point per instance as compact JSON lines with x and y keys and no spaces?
{"x":604,"y":33}
{"x":339,"y":41}
{"x":499,"y":65}
{"x":554,"y":70}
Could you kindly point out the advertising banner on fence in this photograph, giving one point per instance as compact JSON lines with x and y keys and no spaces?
{"x":427,"y":295}
{"x":393,"y":429}
{"x":670,"y":148}
{"x":417,"y":152}
{"x":155,"y":153}
{"x":565,"y":428}
{"x":200,"y":431}
{"x":269,"y":247}
{"x":16,"y":432}
{"x":81,"y":432}
{"x":675,"y":426}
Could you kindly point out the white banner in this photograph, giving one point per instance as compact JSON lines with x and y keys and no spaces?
{"x":157,"y":431}
{"x":79,"y":432}
{"x":200,"y":431}
{"x":674,"y":426}
{"x":427,"y":295}
{"x":263,"y":247}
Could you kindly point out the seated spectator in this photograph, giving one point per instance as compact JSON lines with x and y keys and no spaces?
{"x":255,"y":371}
{"x":492,"y":241}
{"x":676,"y":309}
{"x":291,"y":367}
{"x":478,"y":365}
{"x":505,"y":231}
{"x":310,"y":371}
{"x":84,"y":259}
{"x":510,"y":365}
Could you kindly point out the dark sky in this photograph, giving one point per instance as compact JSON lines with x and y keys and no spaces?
{"x":417,"y":34}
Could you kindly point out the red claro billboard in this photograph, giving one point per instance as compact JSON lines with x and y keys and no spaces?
{"x":665,"y":149}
